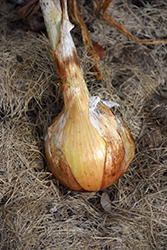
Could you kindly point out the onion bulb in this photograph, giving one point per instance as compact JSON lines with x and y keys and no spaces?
{"x":87,"y":147}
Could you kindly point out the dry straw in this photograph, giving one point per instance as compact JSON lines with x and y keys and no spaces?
{"x":36,"y":212}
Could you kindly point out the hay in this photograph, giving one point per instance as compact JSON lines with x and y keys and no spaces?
{"x":36,"y":212}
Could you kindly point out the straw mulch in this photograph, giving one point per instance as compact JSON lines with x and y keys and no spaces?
{"x":36,"y":211}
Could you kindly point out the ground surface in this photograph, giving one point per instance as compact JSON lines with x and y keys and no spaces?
{"x":36,"y":212}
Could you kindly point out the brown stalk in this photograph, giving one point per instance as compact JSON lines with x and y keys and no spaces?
{"x":77,"y":18}
{"x":122,"y":29}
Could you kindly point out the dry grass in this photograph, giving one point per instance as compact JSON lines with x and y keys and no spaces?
{"x":29,"y":101}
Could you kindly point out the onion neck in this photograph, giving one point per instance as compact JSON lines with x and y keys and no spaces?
{"x":73,"y":85}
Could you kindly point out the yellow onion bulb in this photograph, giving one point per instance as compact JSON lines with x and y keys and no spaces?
{"x":88,"y":152}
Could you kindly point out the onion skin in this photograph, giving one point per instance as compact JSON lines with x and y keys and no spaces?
{"x":87,"y":147}
{"x":120,"y":144}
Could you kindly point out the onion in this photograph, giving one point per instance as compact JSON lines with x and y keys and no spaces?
{"x":87,"y":147}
